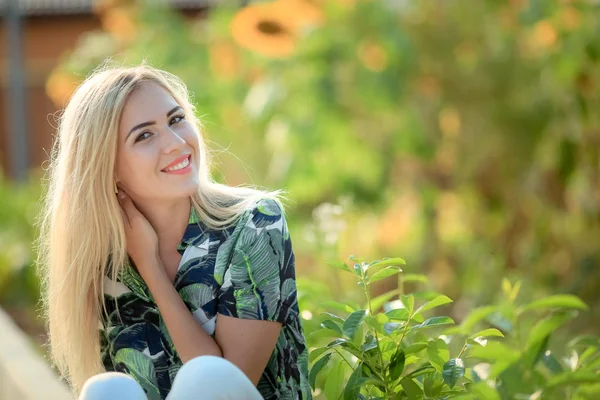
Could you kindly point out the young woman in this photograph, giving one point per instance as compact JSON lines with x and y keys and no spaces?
{"x":177,"y":285}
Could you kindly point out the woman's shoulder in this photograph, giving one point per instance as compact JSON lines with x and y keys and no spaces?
{"x":263,"y":211}
{"x":261,"y":216}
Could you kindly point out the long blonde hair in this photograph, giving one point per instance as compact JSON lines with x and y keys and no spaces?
{"x":81,"y":231}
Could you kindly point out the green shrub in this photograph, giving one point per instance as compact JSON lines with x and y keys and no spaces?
{"x":383,"y":349}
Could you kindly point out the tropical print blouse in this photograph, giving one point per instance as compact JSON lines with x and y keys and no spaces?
{"x":245,"y":271}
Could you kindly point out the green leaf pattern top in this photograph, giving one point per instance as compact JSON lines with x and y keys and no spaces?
{"x":245,"y":271}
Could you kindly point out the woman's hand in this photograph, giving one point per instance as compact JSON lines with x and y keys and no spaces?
{"x":142,"y":241}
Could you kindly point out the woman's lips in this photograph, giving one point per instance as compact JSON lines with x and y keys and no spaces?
{"x":181,"y":167}
{"x":176,"y":161}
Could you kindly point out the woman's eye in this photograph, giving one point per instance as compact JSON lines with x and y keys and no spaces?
{"x":177,"y":118}
{"x":142,"y":137}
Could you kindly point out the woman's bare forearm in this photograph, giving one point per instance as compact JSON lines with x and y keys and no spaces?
{"x":189,"y":338}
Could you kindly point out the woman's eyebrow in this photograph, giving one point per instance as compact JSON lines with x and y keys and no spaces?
{"x":148,"y":123}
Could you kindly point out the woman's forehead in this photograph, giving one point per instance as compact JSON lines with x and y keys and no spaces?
{"x":147,"y":102}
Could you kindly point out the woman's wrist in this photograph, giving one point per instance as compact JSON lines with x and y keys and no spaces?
{"x":152,"y":271}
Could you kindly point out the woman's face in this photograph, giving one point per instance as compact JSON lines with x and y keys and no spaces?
{"x":158,"y":149}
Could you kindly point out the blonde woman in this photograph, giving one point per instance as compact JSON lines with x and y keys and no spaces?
{"x":157,"y":281}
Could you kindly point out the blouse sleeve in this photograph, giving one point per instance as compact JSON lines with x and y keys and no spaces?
{"x":259,"y":282}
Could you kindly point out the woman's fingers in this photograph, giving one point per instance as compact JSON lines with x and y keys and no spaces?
{"x":124,"y":216}
{"x":128,"y":210}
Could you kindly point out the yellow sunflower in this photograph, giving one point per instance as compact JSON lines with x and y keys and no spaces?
{"x":263,"y":28}
{"x":273,"y":28}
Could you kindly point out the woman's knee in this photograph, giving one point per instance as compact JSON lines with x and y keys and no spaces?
{"x":215,"y":378}
{"x":209,"y":369}
{"x":112,"y":385}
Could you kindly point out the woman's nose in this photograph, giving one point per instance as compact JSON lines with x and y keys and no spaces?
{"x":172,"y":141}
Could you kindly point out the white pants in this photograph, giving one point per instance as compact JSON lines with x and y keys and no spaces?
{"x":201,"y":378}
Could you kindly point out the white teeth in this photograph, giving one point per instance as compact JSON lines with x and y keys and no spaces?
{"x":181,"y":165}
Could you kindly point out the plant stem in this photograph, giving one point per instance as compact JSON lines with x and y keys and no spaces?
{"x":462,"y":350}
{"x":405,"y":328}
{"x":371,"y":314}
{"x":401,"y":283}
{"x":344,"y":358}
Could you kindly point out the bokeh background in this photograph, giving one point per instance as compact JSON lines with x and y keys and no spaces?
{"x":463,"y":136}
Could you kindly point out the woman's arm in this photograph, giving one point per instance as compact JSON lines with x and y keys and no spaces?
{"x":246,"y":343}
{"x":189,"y":338}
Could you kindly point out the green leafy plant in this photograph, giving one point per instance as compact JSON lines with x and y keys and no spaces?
{"x":392,"y":349}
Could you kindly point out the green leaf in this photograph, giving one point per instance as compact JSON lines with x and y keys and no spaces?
{"x":411,"y":359}
{"x":358,"y":269}
{"x":375,"y":322}
{"x":312,"y":376}
{"x":384,"y":273}
{"x":400,"y":314}
{"x":453,"y":370}
{"x":438,"y":353}
{"x":415,"y":347}
{"x":431,"y":386}
{"x":334,"y":318}
{"x":421,"y":371}
{"x":390,"y":327}
{"x":339,"y":265}
{"x":369,"y":344}
{"x":480,"y":340}
{"x":409,"y":302}
{"x":348,"y":346}
{"x":534,"y":353}
{"x":410,"y":387}
{"x":515,"y":291}
{"x":353,"y":385}
{"x":329,"y":324}
{"x":438,"y":301}
{"x":387,"y":262}
{"x":584,"y":341}
{"x":557,"y":301}
{"x":397,"y":364}
{"x":495,"y":352}
{"x":335,"y":380}
{"x":433,"y":322}
{"x":353,"y":321}
{"x":337,"y":306}
{"x":337,"y":342}
{"x":587,"y":353}
{"x":316,"y":353}
{"x":547,"y":326}
{"x":506,"y":287}
{"x":487,"y":333}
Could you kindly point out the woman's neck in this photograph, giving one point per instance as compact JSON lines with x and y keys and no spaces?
{"x":169,"y":221}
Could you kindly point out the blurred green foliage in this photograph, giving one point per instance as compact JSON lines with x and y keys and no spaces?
{"x":379,"y":348}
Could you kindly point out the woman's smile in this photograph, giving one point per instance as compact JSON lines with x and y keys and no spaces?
{"x":179,"y":166}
